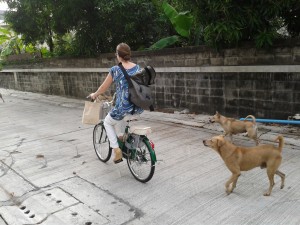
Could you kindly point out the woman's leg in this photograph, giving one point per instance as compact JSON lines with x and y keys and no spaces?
{"x":110,"y":125}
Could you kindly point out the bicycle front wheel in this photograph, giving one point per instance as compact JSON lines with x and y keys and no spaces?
{"x":101,"y":143}
{"x":140,"y":163}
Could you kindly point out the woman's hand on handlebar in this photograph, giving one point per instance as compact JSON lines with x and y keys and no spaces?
{"x":92,"y":96}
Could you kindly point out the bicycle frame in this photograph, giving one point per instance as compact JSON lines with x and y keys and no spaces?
{"x":125,"y":149}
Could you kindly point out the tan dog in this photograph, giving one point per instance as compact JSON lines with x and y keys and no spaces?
{"x":239,"y":159}
{"x":232,"y":126}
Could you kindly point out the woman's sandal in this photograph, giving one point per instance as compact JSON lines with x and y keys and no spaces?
{"x":118,"y":161}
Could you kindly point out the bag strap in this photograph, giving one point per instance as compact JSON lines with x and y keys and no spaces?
{"x":131,"y":85}
{"x":126,"y":75}
{"x":129,"y":82}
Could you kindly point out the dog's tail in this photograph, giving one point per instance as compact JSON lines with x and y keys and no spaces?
{"x":281,"y":142}
{"x":252,"y":117}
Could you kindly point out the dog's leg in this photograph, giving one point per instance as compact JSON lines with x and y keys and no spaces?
{"x":270,"y":173}
{"x":227,"y":184}
{"x":233,"y":180}
{"x":282,"y":176}
{"x":256,"y":141}
{"x":254,"y":137}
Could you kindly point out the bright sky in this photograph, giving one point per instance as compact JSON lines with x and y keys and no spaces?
{"x":3,"y":6}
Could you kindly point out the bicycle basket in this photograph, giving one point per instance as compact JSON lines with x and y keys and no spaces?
{"x":104,"y":109}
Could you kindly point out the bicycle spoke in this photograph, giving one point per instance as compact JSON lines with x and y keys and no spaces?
{"x":140,"y":164}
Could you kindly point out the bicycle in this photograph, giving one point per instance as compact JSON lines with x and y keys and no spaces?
{"x":136,"y":148}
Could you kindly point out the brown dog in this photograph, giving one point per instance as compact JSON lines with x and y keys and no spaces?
{"x":232,"y":126}
{"x":239,"y":159}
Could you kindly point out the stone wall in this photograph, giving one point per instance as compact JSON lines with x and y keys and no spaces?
{"x":265,"y":95}
{"x":235,"y":82}
{"x":70,"y":84}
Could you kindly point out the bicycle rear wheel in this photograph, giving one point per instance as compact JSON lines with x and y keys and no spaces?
{"x":140,"y":162}
{"x":101,"y":143}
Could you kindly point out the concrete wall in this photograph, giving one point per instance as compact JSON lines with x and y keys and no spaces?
{"x":236,"y":82}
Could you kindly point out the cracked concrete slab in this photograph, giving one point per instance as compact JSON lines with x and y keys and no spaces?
{"x":37,"y":207}
{"x":104,"y":202}
{"x":8,"y":188}
{"x":2,"y":222}
{"x":52,"y":207}
{"x":76,"y":215}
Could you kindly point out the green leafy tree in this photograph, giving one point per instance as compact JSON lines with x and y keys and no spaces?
{"x":33,"y":19}
{"x":64,"y":44}
{"x":136,"y":22}
{"x":182,"y":23}
{"x":291,"y":17}
{"x":96,"y":25}
{"x":228,"y":23}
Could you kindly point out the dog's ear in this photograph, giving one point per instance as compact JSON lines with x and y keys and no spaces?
{"x":220,"y":141}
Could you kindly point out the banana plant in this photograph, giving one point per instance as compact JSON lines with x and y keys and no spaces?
{"x":11,"y":43}
{"x":182,"y":23}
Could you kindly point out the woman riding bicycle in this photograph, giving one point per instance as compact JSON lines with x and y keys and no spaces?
{"x":122,"y":106}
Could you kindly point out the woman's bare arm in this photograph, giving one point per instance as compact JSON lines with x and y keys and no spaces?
{"x":103,"y":87}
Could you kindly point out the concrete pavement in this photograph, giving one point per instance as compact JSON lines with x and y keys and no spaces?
{"x":49,"y":173}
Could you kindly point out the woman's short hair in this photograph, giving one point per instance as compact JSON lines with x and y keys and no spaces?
{"x":123,"y":51}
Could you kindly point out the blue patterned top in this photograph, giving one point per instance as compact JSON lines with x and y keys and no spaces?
{"x":123,"y":106}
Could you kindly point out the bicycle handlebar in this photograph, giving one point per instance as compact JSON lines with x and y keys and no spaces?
{"x":105,"y":100}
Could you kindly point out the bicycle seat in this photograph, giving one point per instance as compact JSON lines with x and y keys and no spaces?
{"x":140,"y":130}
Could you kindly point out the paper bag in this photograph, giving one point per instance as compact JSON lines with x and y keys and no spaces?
{"x":91,"y":112}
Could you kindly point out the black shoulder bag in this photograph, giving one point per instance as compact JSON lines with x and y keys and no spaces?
{"x":139,"y":93}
